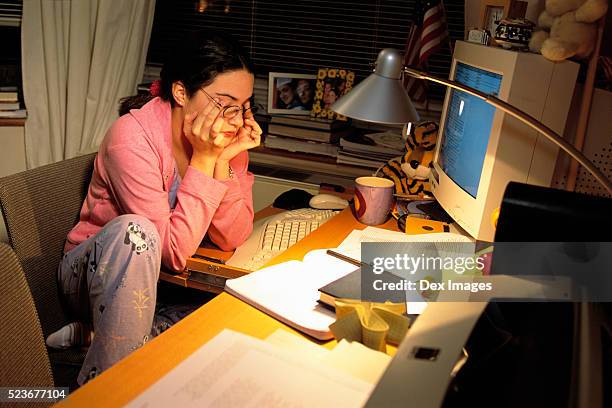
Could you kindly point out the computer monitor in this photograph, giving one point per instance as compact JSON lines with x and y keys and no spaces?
{"x":481,"y":149}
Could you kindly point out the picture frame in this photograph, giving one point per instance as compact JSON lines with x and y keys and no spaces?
{"x":492,"y":11}
{"x":332,"y":83}
{"x":496,"y":10}
{"x":291,"y":94}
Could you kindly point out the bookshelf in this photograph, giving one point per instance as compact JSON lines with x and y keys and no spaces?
{"x":304,"y":167}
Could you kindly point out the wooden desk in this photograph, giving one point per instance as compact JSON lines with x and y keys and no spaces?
{"x":132,"y":375}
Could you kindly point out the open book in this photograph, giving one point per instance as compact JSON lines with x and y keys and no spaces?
{"x":290,"y":291}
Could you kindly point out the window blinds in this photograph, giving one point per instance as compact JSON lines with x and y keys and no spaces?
{"x":301,"y":36}
{"x":10,"y":12}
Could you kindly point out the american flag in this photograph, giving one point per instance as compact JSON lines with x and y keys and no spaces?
{"x":426,"y":36}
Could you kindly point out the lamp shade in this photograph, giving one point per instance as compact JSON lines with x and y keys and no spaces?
{"x":381,"y":97}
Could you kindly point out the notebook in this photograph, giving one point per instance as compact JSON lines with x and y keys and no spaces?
{"x":347,"y":287}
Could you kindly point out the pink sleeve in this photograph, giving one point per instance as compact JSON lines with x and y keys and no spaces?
{"x":233,"y":221}
{"x":135,"y":178}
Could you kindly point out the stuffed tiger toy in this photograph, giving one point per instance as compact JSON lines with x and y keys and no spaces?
{"x":410,"y":173}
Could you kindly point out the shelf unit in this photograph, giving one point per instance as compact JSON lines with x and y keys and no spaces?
{"x":304,"y":168}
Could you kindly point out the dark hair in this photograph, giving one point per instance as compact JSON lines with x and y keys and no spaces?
{"x":196,"y":61}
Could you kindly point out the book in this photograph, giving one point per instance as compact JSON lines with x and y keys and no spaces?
{"x":303,"y":146}
{"x":14,"y":114}
{"x":362,"y":143}
{"x":347,"y":287}
{"x":359,"y":159}
{"x":8,"y":97}
{"x":9,"y":106}
{"x":390,"y":139}
{"x":308,"y":122}
{"x":317,"y":135}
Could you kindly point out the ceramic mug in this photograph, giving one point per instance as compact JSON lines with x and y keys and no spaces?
{"x":373,"y":200}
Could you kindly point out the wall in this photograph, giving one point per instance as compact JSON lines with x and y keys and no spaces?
{"x":597,"y":146}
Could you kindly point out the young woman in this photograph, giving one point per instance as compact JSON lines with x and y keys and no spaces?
{"x":166,"y":174}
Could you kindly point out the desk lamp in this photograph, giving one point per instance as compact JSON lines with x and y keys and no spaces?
{"x":381,"y":98}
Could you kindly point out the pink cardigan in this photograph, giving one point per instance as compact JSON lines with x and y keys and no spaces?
{"x":133,"y":173}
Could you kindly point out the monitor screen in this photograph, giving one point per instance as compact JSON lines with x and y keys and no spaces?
{"x":467,"y":126}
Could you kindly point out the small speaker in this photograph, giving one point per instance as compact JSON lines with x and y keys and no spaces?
{"x":539,"y":214}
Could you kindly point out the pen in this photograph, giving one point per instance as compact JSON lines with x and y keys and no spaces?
{"x":345,"y":258}
{"x":413,"y":196}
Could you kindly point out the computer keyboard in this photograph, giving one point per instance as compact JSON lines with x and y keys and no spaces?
{"x":273,"y":235}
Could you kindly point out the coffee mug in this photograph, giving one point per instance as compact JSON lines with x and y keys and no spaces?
{"x":373,"y":200}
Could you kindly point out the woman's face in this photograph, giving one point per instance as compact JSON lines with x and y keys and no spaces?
{"x":304,"y":91}
{"x":330,"y":97}
{"x":228,"y":89}
{"x":286,"y":93}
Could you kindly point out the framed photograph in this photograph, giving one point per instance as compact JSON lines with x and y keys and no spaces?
{"x":332,"y":83}
{"x":491,"y":12}
{"x":291,"y":93}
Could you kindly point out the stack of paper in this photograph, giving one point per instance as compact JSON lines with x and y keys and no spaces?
{"x":372,"y":150}
{"x":235,"y":370}
{"x":353,"y":358}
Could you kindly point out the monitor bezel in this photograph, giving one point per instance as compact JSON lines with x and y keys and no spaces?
{"x":470,"y":212}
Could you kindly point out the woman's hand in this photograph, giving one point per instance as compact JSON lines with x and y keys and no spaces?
{"x":203,"y":131}
{"x":247,"y":137}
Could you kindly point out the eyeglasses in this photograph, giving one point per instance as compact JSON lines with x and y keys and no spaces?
{"x":230,"y":112}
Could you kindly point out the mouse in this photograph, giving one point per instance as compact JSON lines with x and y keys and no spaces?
{"x":292,"y":199}
{"x":328,"y":202}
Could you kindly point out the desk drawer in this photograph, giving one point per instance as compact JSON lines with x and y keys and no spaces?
{"x":202,"y":267}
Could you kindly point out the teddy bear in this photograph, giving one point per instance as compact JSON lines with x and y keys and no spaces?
{"x":410,"y":173}
{"x":571,"y":26}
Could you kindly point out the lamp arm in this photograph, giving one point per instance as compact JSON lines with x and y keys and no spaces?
{"x":523,"y":117}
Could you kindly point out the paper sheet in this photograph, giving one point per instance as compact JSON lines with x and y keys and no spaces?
{"x":351,"y":357}
{"x":351,"y":246}
{"x":235,"y":370}
{"x":297,"y":345}
{"x":352,"y":243}
{"x":358,"y":360}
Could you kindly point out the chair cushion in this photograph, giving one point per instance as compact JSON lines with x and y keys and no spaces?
{"x":40,"y":206}
{"x":22,"y":347}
